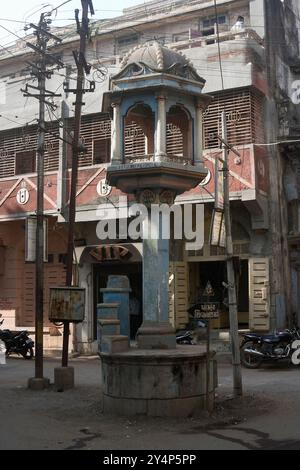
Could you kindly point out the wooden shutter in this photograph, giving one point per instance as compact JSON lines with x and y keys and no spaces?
{"x":259,"y":294}
{"x":28,"y":307}
{"x":101,"y":151}
{"x":178,"y":294}
{"x":54,"y":276}
{"x":25,"y":162}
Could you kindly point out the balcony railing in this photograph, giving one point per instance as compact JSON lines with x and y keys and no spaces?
{"x":168,"y":158}
{"x":203,"y":41}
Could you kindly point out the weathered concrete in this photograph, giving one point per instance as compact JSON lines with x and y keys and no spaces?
{"x":114,"y":344}
{"x":63,"y":378}
{"x":38,"y":384}
{"x":156,"y":383}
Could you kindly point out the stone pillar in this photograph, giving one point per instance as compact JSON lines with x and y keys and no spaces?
{"x":161,"y":129}
{"x":117,"y":291}
{"x":198,"y":148}
{"x":156,"y":331}
{"x":116,"y":131}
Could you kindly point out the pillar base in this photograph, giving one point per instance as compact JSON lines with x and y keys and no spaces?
{"x":157,"y":383}
{"x":63,"y":378}
{"x":38,"y":383}
{"x":156,"y":336}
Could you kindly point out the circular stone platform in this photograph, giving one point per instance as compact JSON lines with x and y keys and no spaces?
{"x":157,"y":382}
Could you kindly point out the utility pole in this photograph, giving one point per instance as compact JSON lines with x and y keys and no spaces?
{"x":39,"y":70}
{"x":82,"y":67}
{"x":232,"y":295}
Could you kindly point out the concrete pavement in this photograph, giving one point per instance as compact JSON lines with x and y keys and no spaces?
{"x":268,"y":417}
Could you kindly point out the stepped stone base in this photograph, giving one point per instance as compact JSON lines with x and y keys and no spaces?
{"x":114,"y":344}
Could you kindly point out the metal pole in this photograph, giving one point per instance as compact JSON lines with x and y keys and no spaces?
{"x":39,"y":264}
{"x":208,"y":401}
{"x":232,"y":297}
{"x":75,"y":153}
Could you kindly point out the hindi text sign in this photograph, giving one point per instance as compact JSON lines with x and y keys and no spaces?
{"x":208,"y":311}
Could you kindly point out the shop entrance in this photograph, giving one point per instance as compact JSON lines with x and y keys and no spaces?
{"x":216,"y":273}
{"x":134,"y":273}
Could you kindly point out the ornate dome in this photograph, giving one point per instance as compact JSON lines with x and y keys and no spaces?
{"x":155,"y":58}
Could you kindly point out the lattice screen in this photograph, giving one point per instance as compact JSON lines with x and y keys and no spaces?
{"x":244,"y":111}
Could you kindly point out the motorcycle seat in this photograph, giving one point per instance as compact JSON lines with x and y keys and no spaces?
{"x":271,"y":339}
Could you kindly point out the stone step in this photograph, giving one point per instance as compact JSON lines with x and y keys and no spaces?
{"x":218,"y":346}
{"x":114,"y":344}
{"x":108,"y":310}
{"x":108,"y":327}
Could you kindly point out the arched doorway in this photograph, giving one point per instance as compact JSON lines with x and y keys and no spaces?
{"x":116,"y":259}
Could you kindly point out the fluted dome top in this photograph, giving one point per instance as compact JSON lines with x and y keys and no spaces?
{"x":153,"y":57}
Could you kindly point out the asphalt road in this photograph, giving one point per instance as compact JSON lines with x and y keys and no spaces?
{"x":267,"y":417}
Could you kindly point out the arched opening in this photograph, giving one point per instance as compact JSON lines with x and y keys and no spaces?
{"x":179,"y":133}
{"x":139,"y":133}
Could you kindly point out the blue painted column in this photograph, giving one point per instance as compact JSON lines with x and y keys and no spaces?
{"x":156,"y":331}
{"x":117,"y":291}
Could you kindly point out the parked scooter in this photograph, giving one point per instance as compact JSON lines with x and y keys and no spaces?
{"x":255,"y":349}
{"x":17,"y":342}
{"x":194,"y":326}
{"x":185,"y":337}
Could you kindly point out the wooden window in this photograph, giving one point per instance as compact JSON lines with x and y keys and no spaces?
{"x":101,"y":151}
{"x":25,"y":162}
{"x":135,"y":141}
{"x":244,"y":113}
{"x":174,"y":140}
{"x":208,"y":25}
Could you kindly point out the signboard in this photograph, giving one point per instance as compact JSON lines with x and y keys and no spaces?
{"x":222,"y":240}
{"x":67,"y":304}
{"x":103,"y":189}
{"x":207,"y":311}
{"x":23,"y":196}
{"x":30,"y":240}
{"x":217,"y":229}
{"x":219,"y":185}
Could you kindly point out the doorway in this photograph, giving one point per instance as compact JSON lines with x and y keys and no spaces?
{"x":215,"y":272}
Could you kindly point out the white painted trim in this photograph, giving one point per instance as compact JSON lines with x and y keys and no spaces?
{"x":10,"y":191}
{"x":45,"y":195}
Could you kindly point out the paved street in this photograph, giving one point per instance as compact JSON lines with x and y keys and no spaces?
{"x":268,"y":417}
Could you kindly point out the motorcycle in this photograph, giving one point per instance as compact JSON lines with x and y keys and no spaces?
{"x":185,"y":337}
{"x":17,"y":342}
{"x":255,"y":349}
{"x":194,"y":326}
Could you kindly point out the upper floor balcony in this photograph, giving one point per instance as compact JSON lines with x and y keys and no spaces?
{"x":227,"y":60}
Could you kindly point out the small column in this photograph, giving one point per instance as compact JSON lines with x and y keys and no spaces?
{"x":161,"y":129}
{"x":198,"y":152}
{"x":116,"y":129}
{"x":156,"y":331}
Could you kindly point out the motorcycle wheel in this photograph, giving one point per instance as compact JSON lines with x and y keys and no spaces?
{"x":249,"y":361}
{"x":28,"y":354}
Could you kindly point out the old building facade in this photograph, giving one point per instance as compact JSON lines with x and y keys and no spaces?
{"x":250,"y":68}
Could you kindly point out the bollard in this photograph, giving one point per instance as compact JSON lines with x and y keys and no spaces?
{"x":2,"y":353}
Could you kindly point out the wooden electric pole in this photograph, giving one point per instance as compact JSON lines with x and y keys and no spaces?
{"x":39,"y":70}
{"x":39,"y":263}
{"x":232,"y":294}
{"x":82,"y":67}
